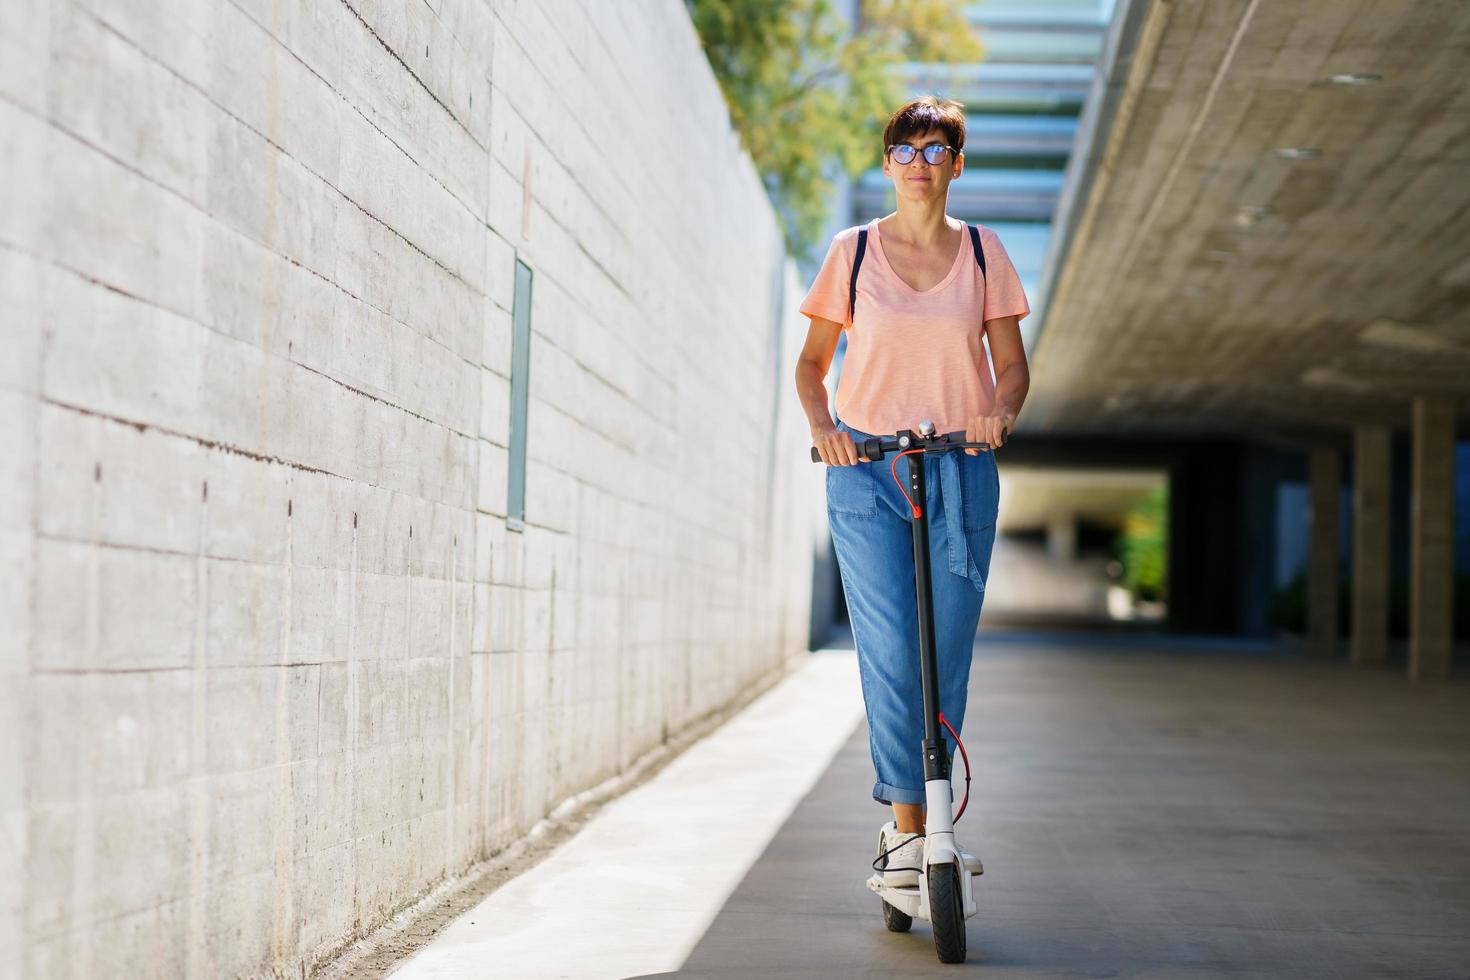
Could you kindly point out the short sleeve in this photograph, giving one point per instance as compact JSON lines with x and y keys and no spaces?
{"x":1003,"y":293}
{"x":828,"y":296}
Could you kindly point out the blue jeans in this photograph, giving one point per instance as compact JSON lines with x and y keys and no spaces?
{"x":872,"y":533}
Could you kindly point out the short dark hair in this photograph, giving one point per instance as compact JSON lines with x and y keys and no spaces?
{"x":924,"y":114}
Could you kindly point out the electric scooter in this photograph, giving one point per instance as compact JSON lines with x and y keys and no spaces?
{"x":944,"y":894}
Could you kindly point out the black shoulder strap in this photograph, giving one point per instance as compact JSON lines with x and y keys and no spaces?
{"x":862,"y":247}
{"x":979,"y":252}
{"x":857,"y":261}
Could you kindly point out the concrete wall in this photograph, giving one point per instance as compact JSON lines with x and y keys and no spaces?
{"x":272,"y":662}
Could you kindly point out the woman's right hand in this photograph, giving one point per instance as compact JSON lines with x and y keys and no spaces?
{"x":835,"y":446}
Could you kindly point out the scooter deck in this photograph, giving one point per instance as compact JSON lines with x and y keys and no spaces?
{"x":875,"y":881}
{"x":913,"y":899}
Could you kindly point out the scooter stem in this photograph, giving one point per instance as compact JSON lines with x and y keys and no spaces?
{"x":936,"y":757}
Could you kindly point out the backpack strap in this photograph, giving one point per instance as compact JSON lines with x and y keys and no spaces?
{"x":979,"y":252}
{"x":857,"y":261}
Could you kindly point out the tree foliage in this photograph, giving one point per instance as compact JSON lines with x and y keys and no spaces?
{"x":806,"y":88}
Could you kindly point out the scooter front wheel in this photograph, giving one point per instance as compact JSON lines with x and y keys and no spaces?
{"x":947,"y":912}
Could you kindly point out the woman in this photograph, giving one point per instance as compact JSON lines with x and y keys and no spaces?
{"x":914,"y":353}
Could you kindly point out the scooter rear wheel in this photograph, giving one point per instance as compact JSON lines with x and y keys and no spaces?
{"x":947,"y":912}
{"x":895,"y":920}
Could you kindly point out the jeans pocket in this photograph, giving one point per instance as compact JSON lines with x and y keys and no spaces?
{"x":979,"y":490}
{"x":850,"y":490}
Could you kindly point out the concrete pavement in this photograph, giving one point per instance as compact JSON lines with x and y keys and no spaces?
{"x":639,"y":885}
{"x":1145,"y":807}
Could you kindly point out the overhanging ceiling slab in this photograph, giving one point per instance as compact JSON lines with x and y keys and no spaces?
{"x":1244,"y":242}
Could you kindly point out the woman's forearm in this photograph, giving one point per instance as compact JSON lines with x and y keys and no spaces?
{"x":1010,"y":389}
{"x":811,"y":388}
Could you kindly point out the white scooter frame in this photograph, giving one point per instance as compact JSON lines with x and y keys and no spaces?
{"x":940,"y":847}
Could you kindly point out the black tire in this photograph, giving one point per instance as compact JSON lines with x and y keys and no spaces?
{"x":894,"y":919}
{"x":947,"y":912}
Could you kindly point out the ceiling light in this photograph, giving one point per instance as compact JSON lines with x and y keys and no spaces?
{"x":1408,"y":337}
{"x":1248,"y":214}
{"x":1354,"y":78}
{"x":1331,"y":377}
{"x":1297,"y":152}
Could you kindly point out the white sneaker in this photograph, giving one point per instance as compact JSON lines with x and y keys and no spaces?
{"x":905,"y":861}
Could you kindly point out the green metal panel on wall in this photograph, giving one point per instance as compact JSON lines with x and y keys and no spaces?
{"x":520,"y":371}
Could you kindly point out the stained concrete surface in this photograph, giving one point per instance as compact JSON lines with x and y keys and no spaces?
{"x":1150,"y":807}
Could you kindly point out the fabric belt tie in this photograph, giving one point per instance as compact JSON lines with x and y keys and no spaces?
{"x":954,"y":513}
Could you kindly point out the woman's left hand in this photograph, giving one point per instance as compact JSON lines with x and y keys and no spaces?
{"x":994,"y":428}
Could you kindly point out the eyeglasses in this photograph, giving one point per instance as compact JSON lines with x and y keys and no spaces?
{"x":934,"y":153}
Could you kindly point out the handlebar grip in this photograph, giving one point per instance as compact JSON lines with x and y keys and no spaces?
{"x":862,"y":446}
{"x":857,"y":444}
{"x":817,"y":457}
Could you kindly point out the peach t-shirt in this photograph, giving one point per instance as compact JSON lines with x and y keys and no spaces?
{"x":914,"y":355}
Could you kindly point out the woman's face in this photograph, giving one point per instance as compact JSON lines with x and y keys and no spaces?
{"x":918,"y":180}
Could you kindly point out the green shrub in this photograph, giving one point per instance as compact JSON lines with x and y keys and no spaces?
{"x":1142,"y":546}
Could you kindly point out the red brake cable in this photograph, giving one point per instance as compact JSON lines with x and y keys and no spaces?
{"x":893,"y":468}
{"x":966,"y":756}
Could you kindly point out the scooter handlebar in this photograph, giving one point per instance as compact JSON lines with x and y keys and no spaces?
{"x":870,"y":450}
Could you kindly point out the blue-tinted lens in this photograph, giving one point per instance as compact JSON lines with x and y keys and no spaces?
{"x":903,"y":153}
{"x":935,"y":154}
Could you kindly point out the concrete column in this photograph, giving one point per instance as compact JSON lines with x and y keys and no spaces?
{"x":1322,"y":554}
{"x":1061,"y":537}
{"x":1372,"y":467}
{"x":1432,"y":538}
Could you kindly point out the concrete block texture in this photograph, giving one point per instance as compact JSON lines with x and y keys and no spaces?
{"x":273,"y":665}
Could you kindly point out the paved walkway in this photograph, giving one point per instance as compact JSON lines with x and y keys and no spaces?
{"x":1144,"y":806}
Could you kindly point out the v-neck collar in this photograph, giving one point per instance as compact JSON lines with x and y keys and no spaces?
{"x":954,"y":268}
